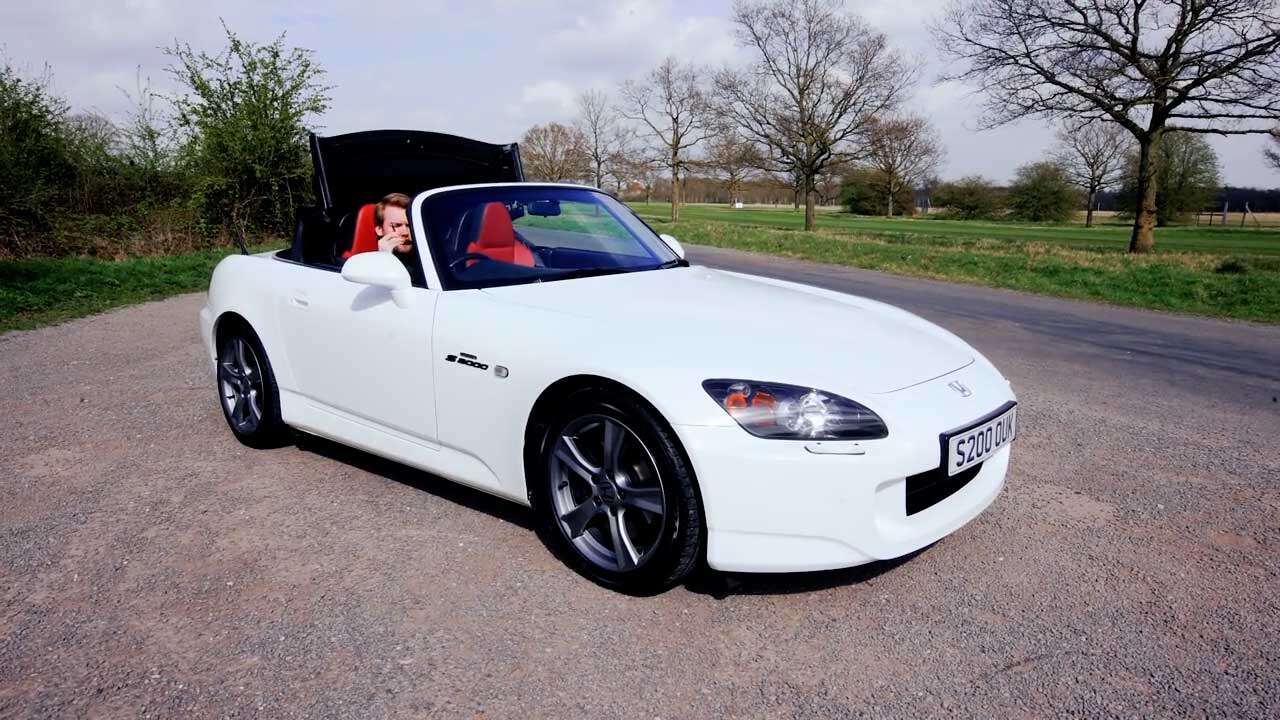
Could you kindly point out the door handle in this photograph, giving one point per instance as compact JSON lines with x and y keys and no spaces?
{"x":298,"y":301}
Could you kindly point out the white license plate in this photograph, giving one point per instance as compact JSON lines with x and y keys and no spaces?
{"x":970,"y":447}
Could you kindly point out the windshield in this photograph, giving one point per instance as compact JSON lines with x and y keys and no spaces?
{"x":482,"y":237}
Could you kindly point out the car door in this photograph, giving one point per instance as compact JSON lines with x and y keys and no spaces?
{"x":356,"y":354}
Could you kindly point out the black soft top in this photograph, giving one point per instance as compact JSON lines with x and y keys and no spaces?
{"x":362,"y":167}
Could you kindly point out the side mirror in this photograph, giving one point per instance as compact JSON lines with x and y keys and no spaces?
{"x":674,"y":244}
{"x":380,"y":269}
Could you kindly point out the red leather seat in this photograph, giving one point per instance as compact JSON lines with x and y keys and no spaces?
{"x":366,"y":236}
{"x":496,"y":238}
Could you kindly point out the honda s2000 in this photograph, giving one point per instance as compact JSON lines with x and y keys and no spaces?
{"x":541,"y":343}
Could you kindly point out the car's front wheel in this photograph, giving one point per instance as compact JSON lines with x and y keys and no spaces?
{"x":247,"y":388}
{"x":616,"y":497}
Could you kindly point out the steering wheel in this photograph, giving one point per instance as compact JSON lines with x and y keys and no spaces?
{"x":469,"y":256}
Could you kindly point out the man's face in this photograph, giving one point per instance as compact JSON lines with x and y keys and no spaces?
{"x":395,"y":223}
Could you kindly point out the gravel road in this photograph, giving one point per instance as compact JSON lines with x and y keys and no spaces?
{"x":153,"y":567}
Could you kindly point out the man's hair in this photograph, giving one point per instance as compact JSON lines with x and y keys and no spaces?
{"x":399,"y":200}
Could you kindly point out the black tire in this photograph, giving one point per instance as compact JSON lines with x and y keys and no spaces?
{"x":256,"y":422}
{"x":674,"y":545}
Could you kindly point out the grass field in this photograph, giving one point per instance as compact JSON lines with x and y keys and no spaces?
{"x":43,"y":291}
{"x":1202,"y":271}
{"x":1225,"y":272}
{"x":1103,"y":237}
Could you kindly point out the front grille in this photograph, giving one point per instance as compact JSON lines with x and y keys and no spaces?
{"x":933,"y":486}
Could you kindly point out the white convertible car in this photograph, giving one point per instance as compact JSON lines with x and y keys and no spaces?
{"x":540,"y":342}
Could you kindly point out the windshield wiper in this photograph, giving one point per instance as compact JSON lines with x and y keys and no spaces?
{"x":585,"y":272}
{"x":593,"y":272}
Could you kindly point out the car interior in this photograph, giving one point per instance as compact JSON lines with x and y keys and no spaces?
{"x":354,"y":170}
{"x":484,"y":237}
{"x":486,"y":230}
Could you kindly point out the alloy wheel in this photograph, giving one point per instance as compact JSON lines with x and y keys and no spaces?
{"x":241,"y":381}
{"x":607,"y":493}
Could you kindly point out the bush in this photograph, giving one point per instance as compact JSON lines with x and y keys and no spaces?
{"x":865,"y":192}
{"x":236,"y":162}
{"x":35,"y":165}
{"x":1041,"y":192}
{"x":1187,"y":178}
{"x":69,"y":183}
{"x":245,"y":113}
{"x":969,"y":198}
{"x":1231,"y":266}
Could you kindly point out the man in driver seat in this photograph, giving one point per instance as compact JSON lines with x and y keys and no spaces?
{"x":391,"y":223}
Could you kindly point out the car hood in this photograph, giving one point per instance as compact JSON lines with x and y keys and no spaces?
{"x":722,"y":324}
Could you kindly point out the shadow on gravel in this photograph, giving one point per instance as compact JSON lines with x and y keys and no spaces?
{"x":718,"y":585}
{"x":721,"y":585}
{"x":419,"y":480}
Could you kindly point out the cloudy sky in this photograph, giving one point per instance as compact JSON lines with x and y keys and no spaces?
{"x":484,"y":68}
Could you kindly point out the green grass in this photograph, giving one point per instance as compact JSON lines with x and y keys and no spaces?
{"x":43,"y":291}
{"x":1101,"y":237}
{"x":1224,"y":272}
{"x":577,"y":217}
{"x":1241,"y":285}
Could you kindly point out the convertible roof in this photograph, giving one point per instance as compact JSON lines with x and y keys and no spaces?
{"x":362,"y":167}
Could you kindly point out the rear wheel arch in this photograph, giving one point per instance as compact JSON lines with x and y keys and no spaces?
{"x":248,"y":393}
{"x":226,"y":321}
{"x":232,"y":319}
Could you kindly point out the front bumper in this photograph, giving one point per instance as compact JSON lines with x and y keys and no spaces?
{"x":774,"y":506}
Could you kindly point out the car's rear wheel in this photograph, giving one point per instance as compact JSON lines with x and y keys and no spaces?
{"x":616,"y":497}
{"x":247,"y":388}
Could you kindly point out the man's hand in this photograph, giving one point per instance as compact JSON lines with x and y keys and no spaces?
{"x":395,"y":243}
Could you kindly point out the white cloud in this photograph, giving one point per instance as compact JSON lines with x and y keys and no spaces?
{"x":629,"y":37}
{"x":551,"y":99}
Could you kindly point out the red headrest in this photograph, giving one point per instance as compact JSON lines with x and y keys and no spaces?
{"x":496,"y":231}
{"x":497,"y":237}
{"x":366,"y":237}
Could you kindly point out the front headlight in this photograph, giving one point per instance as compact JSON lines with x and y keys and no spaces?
{"x":791,"y":412}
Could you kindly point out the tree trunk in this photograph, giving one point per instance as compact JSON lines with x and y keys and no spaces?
{"x":1088,"y":212}
{"x":795,"y":198}
{"x":808,"y":210}
{"x":890,"y":204}
{"x":1143,"y":239}
{"x":675,"y":188}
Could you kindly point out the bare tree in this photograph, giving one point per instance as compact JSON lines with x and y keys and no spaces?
{"x":602,"y":133}
{"x":147,"y":144}
{"x":1151,"y":66}
{"x":821,"y":78}
{"x":644,"y":171}
{"x":732,"y":160}
{"x":636,"y":164}
{"x":903,"y":150}
{"x":1273,"y":153}
{"x":671,"y":107}
{"x":628,"y":157}
{"x":95,"y":128}
{"x":554,"y":153}
{"x":1094,"y":157}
